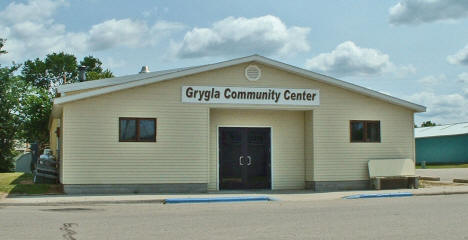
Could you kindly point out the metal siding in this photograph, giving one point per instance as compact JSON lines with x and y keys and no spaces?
{"x":449,"y":149}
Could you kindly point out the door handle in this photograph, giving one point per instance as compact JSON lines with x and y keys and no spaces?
{"x":250,"y":161}
{"x":240,"y":160}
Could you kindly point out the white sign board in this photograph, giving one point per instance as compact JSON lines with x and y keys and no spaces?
{"x":242,"y":95}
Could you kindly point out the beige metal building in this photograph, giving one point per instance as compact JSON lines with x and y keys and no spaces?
{"x":246,"y":123}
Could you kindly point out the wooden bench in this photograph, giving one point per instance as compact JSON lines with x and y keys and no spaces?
{"x":392,"y":169}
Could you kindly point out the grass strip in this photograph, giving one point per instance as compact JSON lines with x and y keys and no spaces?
{"x":21,"y":183}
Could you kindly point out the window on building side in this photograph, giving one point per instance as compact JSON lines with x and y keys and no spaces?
{"x":364,"y":131}
{"x":137,"y":129}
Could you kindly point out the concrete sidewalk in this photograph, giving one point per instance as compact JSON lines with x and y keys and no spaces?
{"x":300,"y":195}
{"x":445,"y":174}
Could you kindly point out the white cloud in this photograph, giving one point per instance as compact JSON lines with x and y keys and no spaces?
{"x":463,"y":77}
{"x":348,"y":59}
{"x":112,"y":63}
{"x":150,"y":11}
{"x":166,"y":27}
{"x":442,"y":108}
{"x":465,"y":92}
{"x":460,"y":57}
{"x":404,"y":70}
{"x":432,"y":80}
{"x":111,"y":33}
{"x":424,"y":11}
{"x":29,"y":29}
{"x":34,"y":10}
{"x":264,"y":35}
{"x":129,"y":33}
{"x":31,"y":32}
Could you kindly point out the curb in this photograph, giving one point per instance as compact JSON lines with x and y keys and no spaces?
{"x":216,"y":199}
{"x":458,"y":180}
{"x":430,"y":178}
{"x":404,"y":194}
{"x":82,"y":203}
{"x":94,"y":202}
{"x":379,"y":195}
{"x":440,"y":193}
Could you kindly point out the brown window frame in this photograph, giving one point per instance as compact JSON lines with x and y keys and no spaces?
{"x":137,"y":125}
{"x":364,"y":134}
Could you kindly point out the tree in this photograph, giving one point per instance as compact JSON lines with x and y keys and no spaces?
{"x":94,"y":69}
{"x":95,"y":75}
{"x":41,"y":78}
{"x":8,"y":119}
{"x":93,"y":64}
{"x":9,"y":102}
{"x":34,"y":114}
{"x":2,"y":43}
{"x":51,"y":72}
{"x":428,"y":124}
{"x":58,"y":68}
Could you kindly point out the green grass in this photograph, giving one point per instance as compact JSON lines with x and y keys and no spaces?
{"x":21,"y":183}
{"x":444,"y":166}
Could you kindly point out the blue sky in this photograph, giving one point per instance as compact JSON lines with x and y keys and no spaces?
{"x":413,"y":49}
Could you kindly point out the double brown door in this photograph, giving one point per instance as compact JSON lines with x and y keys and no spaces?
{"x":244,"y":158}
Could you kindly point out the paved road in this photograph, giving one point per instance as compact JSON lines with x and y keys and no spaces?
{"x":445,"y":174}
{"x":430,"y":217}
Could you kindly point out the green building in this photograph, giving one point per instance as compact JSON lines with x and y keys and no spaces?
{"x":442,"y":144}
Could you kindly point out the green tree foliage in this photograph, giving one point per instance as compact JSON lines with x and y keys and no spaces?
{"x":94,"y":69}
{"x":9,"y":102}
{"x":99,"y":75}
{"x":428,"y":124}
{"x":92,"y":64}
{"x":34,"y":114}
{"x":51,"y":72}
{"x":2,"y":43}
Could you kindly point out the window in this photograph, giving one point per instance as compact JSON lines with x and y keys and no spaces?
{"x":137,"y":129}
{"x":364,"y":131}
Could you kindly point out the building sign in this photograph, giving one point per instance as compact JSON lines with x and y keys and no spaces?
{"x":242,"y":95}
